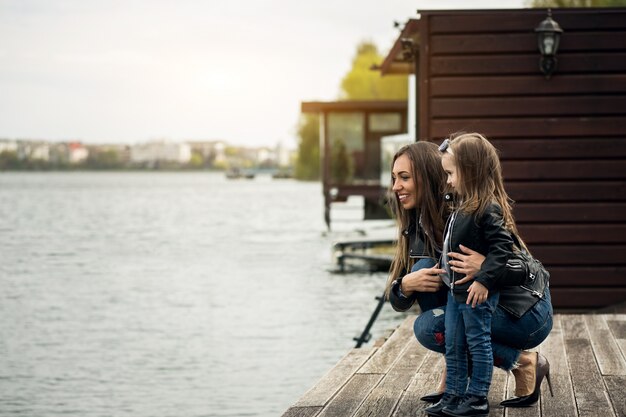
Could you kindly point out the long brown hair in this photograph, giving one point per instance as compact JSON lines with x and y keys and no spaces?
{"x":429,"y":179}
{"x":480,"y":177}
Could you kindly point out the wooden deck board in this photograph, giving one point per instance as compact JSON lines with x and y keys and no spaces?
{"x":587,"y":355}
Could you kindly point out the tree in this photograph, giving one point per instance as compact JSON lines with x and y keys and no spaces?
{"x":360,"y":83}
{"x":363,"y":83}
{"x":577,"y":3}
{"x":308,"y":160}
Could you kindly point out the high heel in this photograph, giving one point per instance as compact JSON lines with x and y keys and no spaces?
{"x":542,"y":370}
{"x":432,"y":397}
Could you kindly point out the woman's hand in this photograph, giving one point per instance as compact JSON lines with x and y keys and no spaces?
{"x":467,"y":263}
{"x":422,"y":280}
{"x":477,"y":293}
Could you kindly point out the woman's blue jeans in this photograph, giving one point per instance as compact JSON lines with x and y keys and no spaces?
{"x":509,"y":335}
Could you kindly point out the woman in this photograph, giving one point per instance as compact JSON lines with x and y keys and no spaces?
{"x":417,"y":183}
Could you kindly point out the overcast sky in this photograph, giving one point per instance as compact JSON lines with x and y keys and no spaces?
{"x":105,"y":71}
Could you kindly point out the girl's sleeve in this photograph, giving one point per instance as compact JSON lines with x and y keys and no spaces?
{"x":500,"y":247}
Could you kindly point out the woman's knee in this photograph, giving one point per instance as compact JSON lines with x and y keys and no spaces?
{"x":429,"y":329}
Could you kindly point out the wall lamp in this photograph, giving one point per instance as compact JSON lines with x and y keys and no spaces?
{"x":548,"y":36}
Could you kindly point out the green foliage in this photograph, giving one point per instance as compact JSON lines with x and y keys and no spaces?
{"x":341,"y":166}
{"x":196,"y":161}
{"x":362,"y":83}
{"x":108,"y":159}
{"x":307,"y":165}
{"x":577,"y":3}
{"x":9,"y":160}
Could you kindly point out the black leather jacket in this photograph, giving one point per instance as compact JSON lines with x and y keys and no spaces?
{"x":509,"y":280}
{"x":485,"y":234}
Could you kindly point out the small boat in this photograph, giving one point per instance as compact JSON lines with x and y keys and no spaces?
{"x":236,"y":173}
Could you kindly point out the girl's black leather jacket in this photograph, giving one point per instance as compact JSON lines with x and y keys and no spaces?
{"x":485,"y":234}
{"x":509,"y":282}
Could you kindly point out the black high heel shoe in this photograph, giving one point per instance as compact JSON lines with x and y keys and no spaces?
{"x":432,"y":397}
{"x":542,"y":369}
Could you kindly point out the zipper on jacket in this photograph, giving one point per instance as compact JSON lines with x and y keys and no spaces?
{"x":450,"y":230}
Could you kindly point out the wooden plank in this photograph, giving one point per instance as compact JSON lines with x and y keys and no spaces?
{"x":492,"y":43}
{"x":411,"y":358}
{"x":531,"y":127}
{"x":617,"y":392}
{"x":597,"y":276}
{"x":598,"y":62}
{"x":527,"y":106}
{"x":563,"y":404}
{"x":330,"y":383}
{"x":569,"y":212}
{"x":526,"y":85}
{"x":425,"y":381}
{"x":580,"y":254}
{"x":606,"y":350}
{"x":567,"y":191}
{"x":573,"y":233}
{"x":586,"y":297}
{"x":383,"y":399}
{"x":495,"y":21}
{"x":385,"y":357}
{"x":351,"y":396}
{"x":561,"y":148}
{"x":497,"y":392}
{"x":488,"y":43}
{"x":302,"y":412}
{"x":564,"y":170}
{"x":617,"y":325}
{"x":590,"y":391}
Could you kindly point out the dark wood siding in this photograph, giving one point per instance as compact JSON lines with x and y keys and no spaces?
{"x":562,"y":140}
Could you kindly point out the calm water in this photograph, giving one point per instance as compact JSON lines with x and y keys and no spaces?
{"x":170,"y":294}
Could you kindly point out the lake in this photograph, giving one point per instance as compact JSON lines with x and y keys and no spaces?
{"x":172,"y":294}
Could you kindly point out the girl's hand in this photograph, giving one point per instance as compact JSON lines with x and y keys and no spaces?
{"x":467,"y":263}
{"x":478,"y":293}
{"x":422,"y":280}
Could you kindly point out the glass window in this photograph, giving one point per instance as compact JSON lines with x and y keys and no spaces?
{"x":347,"y":145}
{"x":385,"y":122}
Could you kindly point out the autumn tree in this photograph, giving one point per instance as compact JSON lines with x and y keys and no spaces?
{"x":308,"y":161}
{"x":363,"y":83}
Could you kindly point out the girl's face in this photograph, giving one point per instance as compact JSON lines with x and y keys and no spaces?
{"x":449,"y":166}
{"x":404,"y":185}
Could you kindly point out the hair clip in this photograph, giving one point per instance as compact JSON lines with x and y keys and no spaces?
{"x":445,"y":146}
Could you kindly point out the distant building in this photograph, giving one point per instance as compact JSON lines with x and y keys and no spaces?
{"x":212,"y":152}
{"x":160,"y":151}
{"x":77,"y":153}
{"x":284,"y":155}
{"x":33,"y":150}
{"x":8,"y":145}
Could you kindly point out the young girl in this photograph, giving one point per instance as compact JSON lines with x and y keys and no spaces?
{"x":482,"y":219}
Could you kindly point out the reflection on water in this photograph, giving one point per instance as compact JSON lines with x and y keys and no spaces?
{"x":169,"y":294}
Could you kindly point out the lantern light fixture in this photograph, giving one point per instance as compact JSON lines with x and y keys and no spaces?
{"x":548,"y":36}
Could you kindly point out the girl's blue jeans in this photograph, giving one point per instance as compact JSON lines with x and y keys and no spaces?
{"x":509,"y":335}
{"x":468,"y":330}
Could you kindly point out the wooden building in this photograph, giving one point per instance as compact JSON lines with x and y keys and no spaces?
{"x":350,"y":149}
{"x":562,"y":139}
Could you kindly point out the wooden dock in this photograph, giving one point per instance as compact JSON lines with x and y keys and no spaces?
{"x":588,"y":371}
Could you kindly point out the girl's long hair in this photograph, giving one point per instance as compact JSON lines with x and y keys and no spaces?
{"x":429,"y":179}
{"x":480,"y":177}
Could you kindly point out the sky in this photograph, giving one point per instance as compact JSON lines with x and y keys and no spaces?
{"x":130,"y":71}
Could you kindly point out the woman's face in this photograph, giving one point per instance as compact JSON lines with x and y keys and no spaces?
{"x":449,"y":166}
{"x":404,"y":185}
